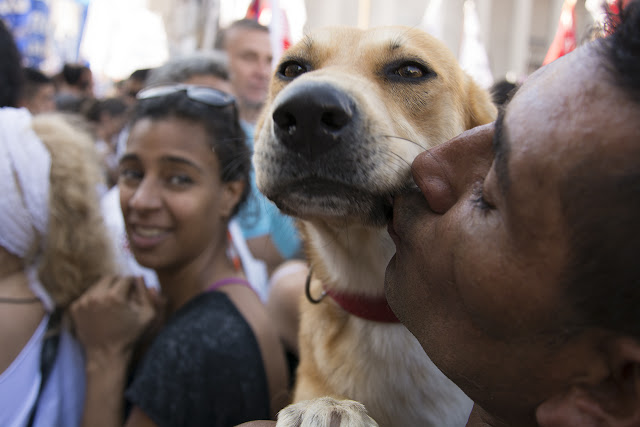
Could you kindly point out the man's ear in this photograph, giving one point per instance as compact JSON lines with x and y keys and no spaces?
{"x":615,"y":401}
{"x":231,"y":193}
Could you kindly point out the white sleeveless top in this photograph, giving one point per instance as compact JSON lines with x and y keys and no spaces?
{"x":62,"y":399}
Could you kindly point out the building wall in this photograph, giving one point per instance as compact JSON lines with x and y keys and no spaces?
{"x":516,"y":33}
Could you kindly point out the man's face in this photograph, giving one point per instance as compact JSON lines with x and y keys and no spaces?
{"x":43,"y":101}
{"x":481,"y":248}
{"x":249,"y":65}
{"x":130,"y":89}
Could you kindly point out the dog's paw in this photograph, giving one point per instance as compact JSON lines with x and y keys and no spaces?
{"x":325,"y":412}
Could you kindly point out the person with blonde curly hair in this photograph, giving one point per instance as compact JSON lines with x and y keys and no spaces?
{"x":53,"y":246}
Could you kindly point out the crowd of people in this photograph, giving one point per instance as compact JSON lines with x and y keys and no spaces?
{"x":145,"y":281}
{"x":168,"y":245}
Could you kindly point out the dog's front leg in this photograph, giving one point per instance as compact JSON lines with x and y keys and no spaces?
{"x":325,"y":412}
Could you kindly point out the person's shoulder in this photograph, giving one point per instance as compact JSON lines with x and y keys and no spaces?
{"x":207,"y":349}
{"x":203,"y":325}
{"x":208,"y":330}
{"x":210,"y":306}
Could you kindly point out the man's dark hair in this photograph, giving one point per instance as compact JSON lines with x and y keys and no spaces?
{"x":226,"y":137}
{"x":244,"y":24}
{"x":31,"y":75}
{"x":602,"y":204}
{"x":33,"y":81}
{"x":501,"y":91}
{"x":76,"y":75}
{"x":140,"y":74}
{"x":621,"y":49}
{"x":72,"y":73}
{"x":11,"y":77}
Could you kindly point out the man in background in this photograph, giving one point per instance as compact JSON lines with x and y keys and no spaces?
{"x":38,"y":94}
{"x":248,"y":46}
{"x":271,"y":235}
{"x":130,"y":87}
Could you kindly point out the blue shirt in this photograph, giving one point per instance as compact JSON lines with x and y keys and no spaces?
{"x":260,"y":216}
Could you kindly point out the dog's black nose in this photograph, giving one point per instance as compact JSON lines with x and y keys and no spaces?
{"x":313,"y":117}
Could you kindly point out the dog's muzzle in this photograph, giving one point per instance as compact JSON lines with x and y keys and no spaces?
{"x":312,"y":118}
{"x":320,"y":158}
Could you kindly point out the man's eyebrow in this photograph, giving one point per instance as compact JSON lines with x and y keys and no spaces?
{"x":501,"y":153}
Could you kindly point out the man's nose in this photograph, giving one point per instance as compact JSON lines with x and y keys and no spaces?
{"x":446,"y":172}
{"x":146,"y":196}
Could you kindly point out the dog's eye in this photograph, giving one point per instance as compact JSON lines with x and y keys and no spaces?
{"x":410,"y":72}
{"x":292,"y":69}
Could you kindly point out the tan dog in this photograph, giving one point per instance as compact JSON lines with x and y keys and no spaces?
{"x":347,"y":113}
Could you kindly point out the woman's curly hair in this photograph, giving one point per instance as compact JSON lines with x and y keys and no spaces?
{"x":78,"y":250}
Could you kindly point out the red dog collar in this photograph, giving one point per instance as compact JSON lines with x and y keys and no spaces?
{"x":370,"y":308}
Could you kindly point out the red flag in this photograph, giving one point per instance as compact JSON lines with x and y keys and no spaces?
{"x":613,"y":8}
{"x":253,"y":10}
{"x":263,"y":11}
{"x":565,"y":38}
{"x":613,"y":5}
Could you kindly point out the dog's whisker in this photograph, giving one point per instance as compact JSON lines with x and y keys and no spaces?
{"x":406,"y":139}
{"x":401,"y":164}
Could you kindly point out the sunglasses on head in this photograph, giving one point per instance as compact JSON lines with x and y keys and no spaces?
{"x":203,"y":94}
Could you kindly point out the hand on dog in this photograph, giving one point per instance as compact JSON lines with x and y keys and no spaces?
{"x":325,"y":412}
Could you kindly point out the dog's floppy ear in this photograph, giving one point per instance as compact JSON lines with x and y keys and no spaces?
{"x":480,"y":109}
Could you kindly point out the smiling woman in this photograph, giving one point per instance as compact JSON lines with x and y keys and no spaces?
{"x":183,"y":176}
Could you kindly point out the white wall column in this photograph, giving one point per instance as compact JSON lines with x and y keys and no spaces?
{"x":485,"y":11}
{"x":520,"y":36}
